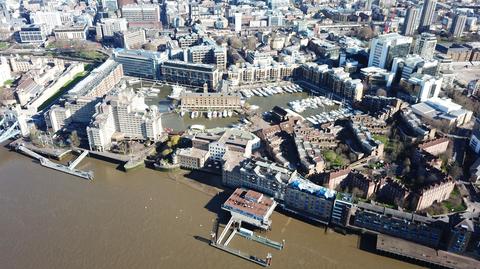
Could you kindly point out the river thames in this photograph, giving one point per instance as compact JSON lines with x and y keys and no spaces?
{"x":143,"y":219}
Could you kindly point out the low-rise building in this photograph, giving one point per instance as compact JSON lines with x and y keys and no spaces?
{"x":435,"y":147}
{"x":209,"y":101}
{"x":309,"y":200}
{"x":376,"y":77}
{"x":335,"y":80}
{"x":381,"y":107}
{"x":414,"y":127}
{"x":140,"y":63}
{"x":248,"y":73}
{"x":33,"y":34}
{"x":310,"y":155}
{"x":394,"y":192}
{"x":191,"y":73}
{"x":460,"y":236}
{"x":342,"y":209}
{"x":259,"y":175}
{"x":412,"y":227}
{"x":435,"y":192}
{"x":360,"y":184}
{"x":133,"y":39}
{"x":219,"y":141}
{"x":76,"y":31}
{"x":251,"y":207}
{"x":192,"y":158}
{"x":335,"y":178}
{"x":368,"y":145}
{"x":442,"y":111}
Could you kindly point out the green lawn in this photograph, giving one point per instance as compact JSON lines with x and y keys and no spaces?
{"x":70,"y":84}
{"x":382,"y":138}
{"x":453,"y":204}
{"x":91,"y":55}
{"x":335,"y":160}
{"x":8,"y":82}
{"x":4,"y":45}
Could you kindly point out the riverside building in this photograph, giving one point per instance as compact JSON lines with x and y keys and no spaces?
{"x":128,"y":116}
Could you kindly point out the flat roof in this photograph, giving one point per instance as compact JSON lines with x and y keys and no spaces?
{"x":312,"y":188}
{"x":249,"y":202}
{"x":419,"y":252}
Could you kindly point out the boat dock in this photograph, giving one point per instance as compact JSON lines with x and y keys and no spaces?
{"x":261,"y":240}
{"x":246,"y":256}
{"x":59,"y":167}
{"x":234,"y":228}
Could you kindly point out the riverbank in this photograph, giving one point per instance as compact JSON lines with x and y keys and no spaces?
{"x":143,"y":219}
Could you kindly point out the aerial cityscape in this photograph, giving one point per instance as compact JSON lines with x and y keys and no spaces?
{"x":241,"y":134}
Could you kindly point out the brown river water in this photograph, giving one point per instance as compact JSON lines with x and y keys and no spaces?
{"x":143,"y":219}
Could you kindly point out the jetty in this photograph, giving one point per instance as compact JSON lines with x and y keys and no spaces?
{"x":70,"y":169}
{"x":253,"y":208}
{"x":232,"y":227}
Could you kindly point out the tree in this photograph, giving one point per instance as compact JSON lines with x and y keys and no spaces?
{"x":381,"y":92}
{"x":74,"y":139}
{"x":356,"y":192}
{"x":175,"y":139}
{"x":364,"y":33}
{"x":166,"y":152}
{"x":251,"y":43}
{"x":455,"y":171}
{"x":235,"y":42}
{"x":406,"y":167}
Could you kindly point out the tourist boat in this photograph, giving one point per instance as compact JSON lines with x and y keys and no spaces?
{"x":230,"y":113}
{"x":214,"y":114}
{"x":225,"y":114}
{"x":182,"y":113}
{"x":209,"y":114}
{"x":192,"y":114}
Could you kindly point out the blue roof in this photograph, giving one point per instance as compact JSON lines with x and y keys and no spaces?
{"x":312,"y":188}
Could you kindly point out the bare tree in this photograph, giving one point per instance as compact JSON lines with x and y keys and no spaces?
{"x":74,"y":139}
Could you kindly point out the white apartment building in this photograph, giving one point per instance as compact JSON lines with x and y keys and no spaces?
{"x":109,"y":26}
{"x":384,"y":48}
{"x":128,"y":116}
{"x":429,"y":86}
{"x":101,"y":129}
{"x":425,"y":45}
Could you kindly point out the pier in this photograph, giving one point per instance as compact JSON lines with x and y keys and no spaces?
{"x":246,"y":256}
{"x":9,"y":132}
{"x":234,"y":227}
{"x":59,"y":167}
{"x":261,"y":239}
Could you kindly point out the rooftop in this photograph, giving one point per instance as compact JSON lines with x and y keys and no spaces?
{"x":418,"y":252}
{"x":250,"y":202}
{"x":312,"y":188}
